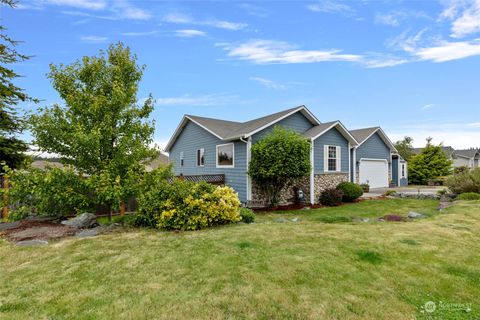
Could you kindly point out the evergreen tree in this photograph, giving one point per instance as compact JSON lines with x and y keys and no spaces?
{"x":429,"y":164}
{"x":405,"y":148}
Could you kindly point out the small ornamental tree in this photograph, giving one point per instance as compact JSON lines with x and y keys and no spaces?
{"x":101,"y":128}
{"x":278,"y":160}
{"x":405,"y":148}
{"x":431,"y":163}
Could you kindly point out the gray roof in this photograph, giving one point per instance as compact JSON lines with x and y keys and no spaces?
{"x":230,"y":130}
{"x":470,"y":153}
{"x":362,"y":134}
{"x":315,"y":131}
{"x":44,"y":164}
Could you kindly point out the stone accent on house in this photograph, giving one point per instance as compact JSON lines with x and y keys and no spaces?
{"x":286,"y":196}
{"x":326,"y":181}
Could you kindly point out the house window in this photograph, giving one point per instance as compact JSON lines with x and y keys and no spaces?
{"x":332,"y":159}
{"x":200,"y":157}
{"x":403,"y":171}
{"x":181,"y":159}
{"x":225,"y":155}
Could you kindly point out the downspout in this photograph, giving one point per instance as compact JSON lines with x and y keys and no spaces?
{"x":354,"y":164}
{"x":248,"y":143}
{"x":312,"y":173}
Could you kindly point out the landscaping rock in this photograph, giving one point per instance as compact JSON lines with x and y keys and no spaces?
{"x":88,"y":233}
{"x":9,"y":225}
{"x":364,"y":220}
{"x":83,"y":221}
{"x":35,"y":242}
{"x":415,"y":215}
{"x":295,"y":220}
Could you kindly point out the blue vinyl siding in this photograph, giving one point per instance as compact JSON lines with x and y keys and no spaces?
{"x":194,"y":137}
{"x":332,"y":138}
{"x":296,"y":122}
{"x":396,"y":171}
{"x":374,"y":148}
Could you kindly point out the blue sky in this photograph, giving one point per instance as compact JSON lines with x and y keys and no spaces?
{"x":412,"y":67}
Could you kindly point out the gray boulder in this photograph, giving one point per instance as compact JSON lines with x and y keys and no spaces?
{"x":83,"y":221}
{"x":415,"y":215}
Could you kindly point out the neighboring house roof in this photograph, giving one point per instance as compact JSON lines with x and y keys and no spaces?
{"x":161,"y":160}
{"x":319,"y":130}
{"x":230,"y":130}
{"x":43,"y":164}
{"x":362,"y":135}
{"x":467,"y":153}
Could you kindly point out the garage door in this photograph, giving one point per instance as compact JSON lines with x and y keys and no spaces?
{"x":374,"y":172}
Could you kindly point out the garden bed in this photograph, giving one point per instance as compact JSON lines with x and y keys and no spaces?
{"x":38,"y":230}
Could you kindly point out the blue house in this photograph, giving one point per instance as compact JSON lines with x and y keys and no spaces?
{"x":373,"y":157}
{"x":202,"y":147}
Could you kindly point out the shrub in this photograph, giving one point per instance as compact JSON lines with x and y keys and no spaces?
{"x":351,"y":191}
{"x":469,"y":196}
{"x":365,"y":187}
{"x":247,"y":215}
{"x":49,"y":192}
{"x":183,"y":205}
{"x":466,"y":181}
{"x":331,"y":197}
{"x":390,"y":193}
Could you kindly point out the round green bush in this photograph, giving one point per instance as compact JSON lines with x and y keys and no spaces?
{"x":331,"y":197}
{"x":247,"y":215}
{"x":469,"y":196}
{"x":351,"y":191}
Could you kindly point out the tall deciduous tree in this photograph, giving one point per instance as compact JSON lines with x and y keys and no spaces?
{"x":12,"y":149}
{"x":100,"y":129}
{"x":431,"y":163}
{"x":279,"y":159}
{"x":405,"y":148}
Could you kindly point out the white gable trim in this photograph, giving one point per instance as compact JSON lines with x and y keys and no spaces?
{"x":309,"y":116}
{"x":384,"y":138}
{"x":180,"y":127}
{"x":343,"y":131}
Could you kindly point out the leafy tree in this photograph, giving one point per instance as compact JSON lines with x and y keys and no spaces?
{"x":100,"y":129}
{"x":12,"y":149}
{"x":405,"y":148}
{"x":278,"y":160}
{"x":431,"y":163}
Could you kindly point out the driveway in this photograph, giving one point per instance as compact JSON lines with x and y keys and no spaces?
{"x":375,"y":192}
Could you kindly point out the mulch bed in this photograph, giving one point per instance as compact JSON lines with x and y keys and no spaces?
{"x":38,"y":230}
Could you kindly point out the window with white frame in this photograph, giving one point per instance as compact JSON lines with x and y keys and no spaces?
{"x":225,"y":155}
{"x":403,"y":170}
{"x":200,"y":157}
{"x":181,"y":159}
{"x":332,"y":156}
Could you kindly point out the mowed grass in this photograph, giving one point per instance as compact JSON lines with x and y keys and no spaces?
{"x":267,"y":270}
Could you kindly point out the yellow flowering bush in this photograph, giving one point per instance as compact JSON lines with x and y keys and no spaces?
{"x":182,"y":205}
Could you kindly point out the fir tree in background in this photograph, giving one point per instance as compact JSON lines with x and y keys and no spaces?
{"x":12,"y":149}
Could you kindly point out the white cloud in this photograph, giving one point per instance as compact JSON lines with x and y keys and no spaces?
{"x":465,"y":16}
{"x":94,"y":39}
{"x":388,"y":19}
{"x":428,"y":106}
{"x":126,"y":10}
{"x":268,"y":83}
{"x":474,"y":124}
{"x":329,"y":6}
{"x":457,"y":135}
{"x":448,"y":51}
{"x":140,"y":34}
{"x":200,"y":101}
{"x":271,"y":51}
{"x":393,"y":18}
{"x":189,"y":33}
{"x":81,"y":4}
{"x":180,"y":18}
{"x":254,"y":10}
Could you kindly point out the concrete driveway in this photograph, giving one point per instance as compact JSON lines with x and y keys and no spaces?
{"x":376,"y":192}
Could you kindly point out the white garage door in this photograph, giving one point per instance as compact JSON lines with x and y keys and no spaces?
{"x":374,"y":172}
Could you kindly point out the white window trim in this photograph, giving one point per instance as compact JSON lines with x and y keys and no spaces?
{"x":202,"y":150}
{"x":338,"y":159}
{"x":233,"y":155}
{"x":182,"y":158}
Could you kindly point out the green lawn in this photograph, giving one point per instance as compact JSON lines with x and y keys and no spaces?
{"x":268,"y":270}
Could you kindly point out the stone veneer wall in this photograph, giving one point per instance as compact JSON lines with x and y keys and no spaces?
{"x":326,"y":181}
{"x":286,"y":196}
{"x":321,"y":181}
